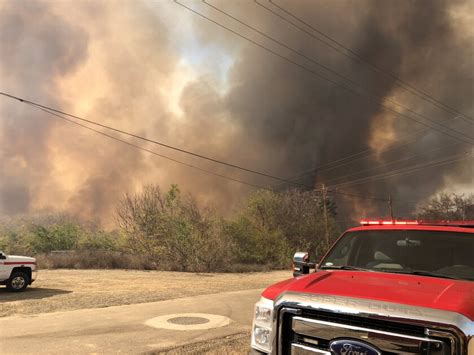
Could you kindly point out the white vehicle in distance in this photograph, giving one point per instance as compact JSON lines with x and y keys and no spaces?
{"x":17,"y":272}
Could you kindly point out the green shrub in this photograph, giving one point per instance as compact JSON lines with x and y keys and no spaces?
{"x":56,"y":237}
{"x":52,"y":233}
{"x":272,"y":226}
{"x":93,"y":259}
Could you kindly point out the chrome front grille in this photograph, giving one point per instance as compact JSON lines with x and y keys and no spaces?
{"x":357,"y":321}
{"x":309,"y":324}
{"x":317,"y":334}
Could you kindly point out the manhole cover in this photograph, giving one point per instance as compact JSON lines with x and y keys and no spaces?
{"x":188,"y":320}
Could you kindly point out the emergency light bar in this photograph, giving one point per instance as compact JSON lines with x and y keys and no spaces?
{"x":367,"y":222}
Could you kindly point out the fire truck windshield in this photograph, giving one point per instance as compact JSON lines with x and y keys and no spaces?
{"x":427,"y":253}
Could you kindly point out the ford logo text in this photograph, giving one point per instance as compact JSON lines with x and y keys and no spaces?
{"x":352,"y":347}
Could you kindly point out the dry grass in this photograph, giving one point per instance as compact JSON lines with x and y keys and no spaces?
{"x":64,"y":290}
{"x":236,"y":344}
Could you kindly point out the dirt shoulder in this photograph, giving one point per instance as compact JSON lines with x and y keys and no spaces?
{"x":64,"y":290}
{"x":237,"y":344}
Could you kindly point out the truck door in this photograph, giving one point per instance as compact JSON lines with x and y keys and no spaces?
{"x":4,"y":269}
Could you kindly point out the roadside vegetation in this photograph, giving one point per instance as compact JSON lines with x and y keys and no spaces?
{"x":169,"y":230}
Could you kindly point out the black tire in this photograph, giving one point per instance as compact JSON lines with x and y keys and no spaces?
{"x":18,"y":281}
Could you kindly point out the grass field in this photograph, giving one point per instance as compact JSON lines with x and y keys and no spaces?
{"x":64,"y":290}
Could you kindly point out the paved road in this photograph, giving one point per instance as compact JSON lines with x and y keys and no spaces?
{"x":122,"y":329}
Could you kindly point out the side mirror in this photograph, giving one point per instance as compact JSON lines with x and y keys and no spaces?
{"x":301,"y":264}
{"x":2,"y":255}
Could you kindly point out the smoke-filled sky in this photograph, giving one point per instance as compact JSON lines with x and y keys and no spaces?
{"x":158,"y":70}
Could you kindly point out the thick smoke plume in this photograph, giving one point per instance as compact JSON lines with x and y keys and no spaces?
{"x":155,"y":69}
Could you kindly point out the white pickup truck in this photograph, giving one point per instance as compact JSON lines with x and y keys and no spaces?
{"x":17,"y":272}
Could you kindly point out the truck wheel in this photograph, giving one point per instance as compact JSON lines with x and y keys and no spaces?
{"x":18,"y":281}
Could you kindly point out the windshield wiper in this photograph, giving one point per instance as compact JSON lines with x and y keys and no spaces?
{"x":420,"y":273}
{"x":343,"y":267}
{"x":434,"y":274}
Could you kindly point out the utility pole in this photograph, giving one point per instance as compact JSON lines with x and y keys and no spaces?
{"x":324,"y":191}
{"x":390,"y":203}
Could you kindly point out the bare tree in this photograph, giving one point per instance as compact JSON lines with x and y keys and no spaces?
{"x":174,"y":231}
{"x":142,"y":217}
{"x":448,"y":207}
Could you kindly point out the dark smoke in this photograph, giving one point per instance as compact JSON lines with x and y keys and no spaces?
{"x":116,"y":64}
{"x":307,"y":122}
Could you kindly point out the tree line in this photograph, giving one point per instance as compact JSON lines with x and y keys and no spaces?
{"x":169,"y":230}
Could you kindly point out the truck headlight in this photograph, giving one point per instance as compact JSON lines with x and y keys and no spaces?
{"x":262,"y":325}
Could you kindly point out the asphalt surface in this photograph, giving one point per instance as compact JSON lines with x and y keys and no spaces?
{"x":123,"y":329}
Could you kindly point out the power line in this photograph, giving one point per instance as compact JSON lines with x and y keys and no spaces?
{"x":339,"y":84}
{"x":366,"y":153}
{"x":393,"y":162}
{"x":355,"y":56}
{"x":34,"y":104}
{"x":338,"y":191}
{"x":153,"y":152}
{"x":404,"y":171}
{"x":61,"y":115}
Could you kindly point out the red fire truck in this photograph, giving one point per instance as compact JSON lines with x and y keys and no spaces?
{"x":386,"y":287}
